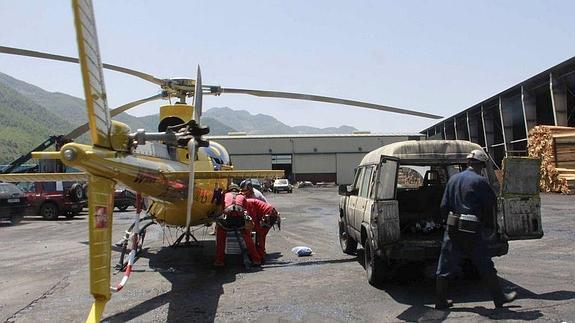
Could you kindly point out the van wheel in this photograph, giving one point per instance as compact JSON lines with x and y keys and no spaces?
{"x":347,"y":243}
{"x":376,"y":269}
{"x":49,"y":211}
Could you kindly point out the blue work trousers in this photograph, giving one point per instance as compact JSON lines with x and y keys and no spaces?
{"x":456,"y":245}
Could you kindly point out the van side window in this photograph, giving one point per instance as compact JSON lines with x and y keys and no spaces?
{"x":357,"y":180}
{"x":386,"y":180}
{"x":365,"y":183}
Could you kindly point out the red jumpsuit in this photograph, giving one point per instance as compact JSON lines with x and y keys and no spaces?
{"x":231,"y":198}
{"x":257,"y":209}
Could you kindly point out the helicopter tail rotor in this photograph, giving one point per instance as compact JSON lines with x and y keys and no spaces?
{"x":192,"y":149}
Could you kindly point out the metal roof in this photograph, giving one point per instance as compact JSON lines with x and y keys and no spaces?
{"x":440,"y":150}
{"x":564,"y":68}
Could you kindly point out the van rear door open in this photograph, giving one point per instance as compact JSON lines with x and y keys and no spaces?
{"x":384,"y":219}
{"x":519,"y":201}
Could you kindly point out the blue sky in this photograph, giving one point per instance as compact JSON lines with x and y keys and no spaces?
{"x":433,"y":56}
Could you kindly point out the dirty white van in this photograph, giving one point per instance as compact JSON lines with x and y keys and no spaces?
{"x":393,"y":206}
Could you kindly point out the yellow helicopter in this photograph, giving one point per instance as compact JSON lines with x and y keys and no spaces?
{"x":175,"y":167}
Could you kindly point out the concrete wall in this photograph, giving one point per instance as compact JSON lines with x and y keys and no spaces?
{"x":314,"y":163}
{"x":314,"y":157}
{"x":346,"y":164}
{"x":252,"y":162}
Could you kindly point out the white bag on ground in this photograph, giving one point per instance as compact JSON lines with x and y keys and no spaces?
{"x":302,"y":251}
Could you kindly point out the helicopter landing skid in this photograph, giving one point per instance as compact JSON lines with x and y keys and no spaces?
{"x":187,"y":242}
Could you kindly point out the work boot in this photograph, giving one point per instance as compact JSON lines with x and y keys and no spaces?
{"x":441,"y":287}
{"x":499,"y":297}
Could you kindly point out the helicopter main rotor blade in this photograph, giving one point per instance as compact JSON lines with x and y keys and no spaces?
{"x":318,"y":98}
{"x":114,"y":112}
{"x":36,"y":54}
{"x":175,"y":85}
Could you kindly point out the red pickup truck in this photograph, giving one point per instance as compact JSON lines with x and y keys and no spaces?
{"x":52,"y":199}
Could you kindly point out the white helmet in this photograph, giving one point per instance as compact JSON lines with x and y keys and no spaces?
{"x":478,"y":154}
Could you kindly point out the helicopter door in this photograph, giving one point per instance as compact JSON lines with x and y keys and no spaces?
{"x":519,"y":201}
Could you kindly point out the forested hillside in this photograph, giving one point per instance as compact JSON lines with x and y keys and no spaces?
{"x":29,"y":115}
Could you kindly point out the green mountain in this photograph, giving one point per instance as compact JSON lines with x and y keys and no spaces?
{"x":24,"y":124}
{"x":262,"y":124}
{"x":29,"y":115}
{"x":69,"y":107}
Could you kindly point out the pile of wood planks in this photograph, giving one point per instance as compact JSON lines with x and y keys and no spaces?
{"x":555,"y":146}
{"x":409,"y":178}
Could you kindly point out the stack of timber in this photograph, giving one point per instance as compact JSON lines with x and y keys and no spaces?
{"x":409,"y":177}
{"x":555,"y":146}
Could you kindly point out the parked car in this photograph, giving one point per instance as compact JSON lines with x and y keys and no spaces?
{"x":282,"y":185}
{"x":304,"y":184}
{"x":13,"y":203}
{"x":393,"y":206}
{"x":124,"y":198}
{"x":52,"y":199}
{"x":256,"y":184}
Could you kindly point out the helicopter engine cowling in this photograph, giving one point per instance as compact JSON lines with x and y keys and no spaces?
{"x":120,"y":136}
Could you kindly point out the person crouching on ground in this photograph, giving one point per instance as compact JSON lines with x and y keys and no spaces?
{"x":235,"y":217}
{"x":264,"y":216}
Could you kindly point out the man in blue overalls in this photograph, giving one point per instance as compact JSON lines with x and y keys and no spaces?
{"x":468,"y":201}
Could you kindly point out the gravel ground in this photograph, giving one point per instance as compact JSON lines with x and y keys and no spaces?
{"x":43,"y":275}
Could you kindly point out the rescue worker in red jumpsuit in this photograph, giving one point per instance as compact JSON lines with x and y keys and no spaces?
{"x":234,"y":215}
{"x":250,"y":192}
{"x":264,"y":216}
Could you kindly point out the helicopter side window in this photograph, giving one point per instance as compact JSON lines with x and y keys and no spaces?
{"x":213,"y":156}
{"x":217,"y":155}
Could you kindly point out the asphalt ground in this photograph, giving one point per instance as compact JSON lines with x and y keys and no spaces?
{"x":44,"y":277}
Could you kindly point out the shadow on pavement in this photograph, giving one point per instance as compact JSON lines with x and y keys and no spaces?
{"x":422,"y":292}
{"x":410,"y":287}
{"x":196,"y":284}
{"x":303,"y":261}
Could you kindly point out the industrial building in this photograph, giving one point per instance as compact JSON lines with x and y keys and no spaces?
{"x":500,"y":124}
{"x":316,"y":158}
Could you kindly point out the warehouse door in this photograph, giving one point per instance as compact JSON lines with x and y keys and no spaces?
{"x":283,"y":162}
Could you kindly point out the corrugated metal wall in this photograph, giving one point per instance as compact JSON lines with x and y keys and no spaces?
{"x":500,"y":124}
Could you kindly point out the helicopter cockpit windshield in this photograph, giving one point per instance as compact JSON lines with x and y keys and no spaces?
{"x":217,"y":154}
